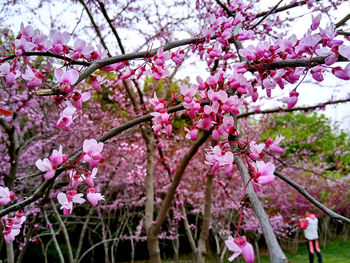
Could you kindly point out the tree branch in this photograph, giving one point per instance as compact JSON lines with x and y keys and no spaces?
{"x":303,"y":191}
{"x":304,"y":108}
{"x":95,"y":27}
{"x":176,"y":180}
{"x":104,"y":12}
{"x":343,"y":21}
{"x":266,"y":15}
{"x":283,"y":8}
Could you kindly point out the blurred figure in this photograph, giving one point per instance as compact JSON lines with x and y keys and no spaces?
{"x":310,"y":224}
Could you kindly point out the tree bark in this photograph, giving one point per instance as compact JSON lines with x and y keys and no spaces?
{"x":152,"y":234}
{"x":203,"y":238}
{"x":57,"y":246}
{"x":276,"y":253}
{"x":82,"y":235}
{"x":65,"y":232}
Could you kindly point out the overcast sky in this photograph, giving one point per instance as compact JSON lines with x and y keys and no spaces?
{"x":310,"y":92}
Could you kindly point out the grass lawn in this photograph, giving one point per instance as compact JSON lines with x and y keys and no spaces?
{"x":334,"y":252}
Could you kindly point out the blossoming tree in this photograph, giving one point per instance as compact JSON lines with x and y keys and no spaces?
{"x":61,"y":82}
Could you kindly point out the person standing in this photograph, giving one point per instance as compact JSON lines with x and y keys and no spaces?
{"x":310,"y":225}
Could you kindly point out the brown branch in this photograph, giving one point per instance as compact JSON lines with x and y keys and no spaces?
{"x":175,"y":182}
{"x":305,"y":108}
{"x":301,"y":62}
{"x":49,"y":54}
{"x":303,"y":191}
{"x":341,"y":32}
{"x":343,"y":21}
{"x":223,"y":6}
{"x":95,"y":27}
{"x":266,"y":15}
{"x":283,"y":8}
{"x":104,"y":12}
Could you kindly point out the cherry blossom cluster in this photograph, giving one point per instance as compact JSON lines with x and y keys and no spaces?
{"x":156,"y":65}
{"x":29,"y":40}
{"x":91,"y":154}
{"x":240,"y":246}
{"x":12,"y":226}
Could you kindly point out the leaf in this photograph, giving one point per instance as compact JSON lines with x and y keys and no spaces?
{"x":5,"y":112}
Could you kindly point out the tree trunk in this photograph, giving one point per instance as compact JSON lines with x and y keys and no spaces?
{"x":82,"y":235}
{"x":153,"y":232}
{"x":10,"y":254}
{"x":53,"y":234}
{"x":276,"y":253}
{"x":153,"y":247}
{"x":65,"y":232}
{"x":203,"y":238}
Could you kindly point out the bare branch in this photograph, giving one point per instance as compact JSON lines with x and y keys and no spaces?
{"x":306,"y":108}
{"x":341,"y":32}
{"x":104,"y":12}
{"x":343,"y":21}
{"x":95,"y":27}
{"x":283,"y":8}
{"x":266,"y":15}
{"x":303,"y":191}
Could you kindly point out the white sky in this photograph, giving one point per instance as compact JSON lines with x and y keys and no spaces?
{"x":309,"y":93}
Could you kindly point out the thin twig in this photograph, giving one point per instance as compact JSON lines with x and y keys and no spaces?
{"x":266,"y":15}
{"x":95,"y":27}
{"x":343,"y":21}
{"x":303,"y":191}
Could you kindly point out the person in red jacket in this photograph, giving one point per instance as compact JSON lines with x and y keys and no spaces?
{"x":310,"y":224}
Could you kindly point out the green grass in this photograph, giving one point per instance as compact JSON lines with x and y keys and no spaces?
{"x":334,"y":252}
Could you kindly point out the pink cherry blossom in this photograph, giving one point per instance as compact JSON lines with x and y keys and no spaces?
{"x":89,"y":177}
{"x":81,"y":49}
{"x":274,"y":145}
{"x":67,"y":200}
{"x":216,"y":157}
{"x":57,"y":157}
{"x":6,"y":196}
{"x":10,"y":234}
{"x":66,"y":117}
{"x":240,"y":246}
{"x":96,"y":82}
{"x":178,"y":56}
{"x":316,"y":21}
{"x":292,"y":100}
{"x":232,"y":246}
{"x":26,"y":32}
{"x":59,"y":41}
{"x":191,"y":134}
{"x":161,"y":57}
{"x":75,"y":179}
{"x":46,"y":166}
{"x":9,"y":74}
{"x":256,"y":150}
{"x":342,"y":73}
{"x":265,"y":172}
{"x":33,"y":76}
{"x":161,"y":119}
{"x":92,"y":152}
{"x":66,"y":78}
{"x":317,"y":73}
{"x":157,"y":103}
{"x":93,"y":197}
{"x":344,"y":51}
{"x":79,"y":98}
{"x":23,"y":45}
